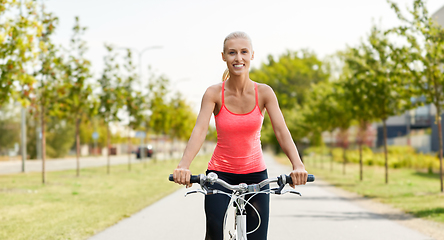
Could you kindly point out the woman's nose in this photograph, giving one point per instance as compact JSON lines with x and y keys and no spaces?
{"x":238,"y":57}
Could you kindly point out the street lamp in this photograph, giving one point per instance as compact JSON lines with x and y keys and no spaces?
{"x":139,"y":57}
{"x":140,"y":60}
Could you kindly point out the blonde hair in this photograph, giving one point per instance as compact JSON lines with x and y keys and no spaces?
{"x":230,"y":36}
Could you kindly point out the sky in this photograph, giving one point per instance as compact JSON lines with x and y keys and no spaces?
{"x":191,"y":32}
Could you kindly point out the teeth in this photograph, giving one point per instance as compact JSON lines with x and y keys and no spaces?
{"x":241,"y":65}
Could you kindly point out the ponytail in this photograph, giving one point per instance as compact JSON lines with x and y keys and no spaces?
{"x":226,"y":75}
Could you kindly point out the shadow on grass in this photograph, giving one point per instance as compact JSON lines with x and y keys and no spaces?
{"x":427,"y":175}
{"x":344,"y":185}
{"x":428,"y":212}
{"x":348,"y":216}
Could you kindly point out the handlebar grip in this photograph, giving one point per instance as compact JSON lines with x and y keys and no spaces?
{"x":310,"y":178}
{"x":193,"y":179}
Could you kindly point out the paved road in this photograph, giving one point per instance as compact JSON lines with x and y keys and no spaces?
{"x":319,"y":214}
{"x":8,"y":167}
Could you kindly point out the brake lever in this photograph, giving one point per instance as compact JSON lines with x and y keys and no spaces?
{"x":277,"y":191}
{"x":195,"y":191}
{"x":291,"y":191}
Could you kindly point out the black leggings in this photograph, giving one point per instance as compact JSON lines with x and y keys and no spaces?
{"x":216,"y":206}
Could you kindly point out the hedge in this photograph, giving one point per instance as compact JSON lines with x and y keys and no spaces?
{"x":398,"y":157}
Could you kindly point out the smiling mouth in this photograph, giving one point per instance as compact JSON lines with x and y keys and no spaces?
{"x":238,"y":65}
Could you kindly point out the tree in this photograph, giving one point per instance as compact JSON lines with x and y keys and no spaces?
{"x":342,"y":106}
{"x":160,"y":116}
{"x":360,"y":91}
{"x":321,"y":112}
{"x":423,"y":58}
{"x":17,"y":52}
{"x":378,"y":78}
{"x":50,"y":89}
{"x":77,"y":101}
{"x":184,"y":118}
{"x":112,"y":95}
{"x":134,"y":100}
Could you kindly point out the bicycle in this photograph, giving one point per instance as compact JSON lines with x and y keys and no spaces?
{"x":238,"y":196}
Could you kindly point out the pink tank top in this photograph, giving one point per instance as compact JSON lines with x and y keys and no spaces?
{"x":238,"y":149}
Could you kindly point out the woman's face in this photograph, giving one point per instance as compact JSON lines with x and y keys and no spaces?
{"x":238,"y":54}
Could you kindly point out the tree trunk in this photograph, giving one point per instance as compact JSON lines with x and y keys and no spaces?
{"x":129,"y":149}
{"x":23,"y":138}
{"x":438,"y":118}
{"x":78,"y":146}
{"x":361,"y":141}
{"x":331,"y":152}
{"x":322,"y":157}
{"x":42,"y":116}
{"x":108,"y":148}
{"x":360,"y":161}
{"x":385,"y":150}
{"x":344,"y":160}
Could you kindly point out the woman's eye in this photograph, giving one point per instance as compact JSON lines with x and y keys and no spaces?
{"x":231,"y":52}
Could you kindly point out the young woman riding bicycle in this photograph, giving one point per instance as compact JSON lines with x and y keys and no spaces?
{"x":238,"y":105}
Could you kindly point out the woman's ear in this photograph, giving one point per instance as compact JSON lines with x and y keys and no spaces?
{"x":252,"y":56}
{"x":223,"y":58}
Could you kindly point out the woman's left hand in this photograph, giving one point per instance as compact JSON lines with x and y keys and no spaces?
{"x":299,"y":177}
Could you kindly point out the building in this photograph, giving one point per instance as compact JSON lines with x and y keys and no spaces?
{"x":399,"y":128}
{"x":439,"y":16}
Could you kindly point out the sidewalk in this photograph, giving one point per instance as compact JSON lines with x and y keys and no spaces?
{"x":321,"y":213}
{"x":10,"y":167}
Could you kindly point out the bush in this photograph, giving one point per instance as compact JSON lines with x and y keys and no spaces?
{"x":398,"y":157}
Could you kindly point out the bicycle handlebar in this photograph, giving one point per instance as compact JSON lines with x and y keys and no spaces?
{"x":196,"y":179}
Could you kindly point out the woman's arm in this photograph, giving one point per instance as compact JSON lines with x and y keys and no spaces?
{"x":299,"y":174}
{"x":182,"y":172}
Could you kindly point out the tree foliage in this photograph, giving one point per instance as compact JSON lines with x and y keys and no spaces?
{"x":183,"y":118}
{"x":291,"y":77}
{"x":160,"y":116}
{"x":135,"y":102}
{"x":17,"y":49}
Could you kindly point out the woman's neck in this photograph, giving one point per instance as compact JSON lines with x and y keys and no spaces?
{"x":239,"y":83}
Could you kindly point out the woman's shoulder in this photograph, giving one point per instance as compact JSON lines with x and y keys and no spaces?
{"x":214,"y":88}
{"x":213,"y":91}
{"x":264,"y":89}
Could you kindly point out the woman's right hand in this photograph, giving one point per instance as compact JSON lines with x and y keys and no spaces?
{"x":182,"y":176}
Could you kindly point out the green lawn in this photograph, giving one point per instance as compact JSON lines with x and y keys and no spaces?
{"x":70,"y":207}
{"x":414,"y":192}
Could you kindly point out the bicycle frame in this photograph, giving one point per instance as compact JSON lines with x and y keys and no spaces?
{"x":241,"y":220}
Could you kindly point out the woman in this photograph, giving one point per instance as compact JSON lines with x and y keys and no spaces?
{"x":238,"y":105}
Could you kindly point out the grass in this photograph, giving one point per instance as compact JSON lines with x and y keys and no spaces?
{"x":413,"y":192}
{"x":70,"y":207}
